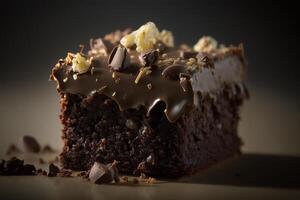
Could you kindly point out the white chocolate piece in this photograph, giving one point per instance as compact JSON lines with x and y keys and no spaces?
{"x":206,"y":44}
{"x":80,"y":64}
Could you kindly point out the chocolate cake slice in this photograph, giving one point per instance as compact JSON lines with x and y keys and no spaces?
{"x":155,"y":108}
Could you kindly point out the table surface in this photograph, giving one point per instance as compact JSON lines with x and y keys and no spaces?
{"x":268,"y":168}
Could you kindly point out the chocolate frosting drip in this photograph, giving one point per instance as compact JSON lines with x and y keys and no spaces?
{"x":152,"y":88}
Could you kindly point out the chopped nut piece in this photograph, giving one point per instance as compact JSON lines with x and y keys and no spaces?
{"x":143,"y":72}
{"x":146,"y":37}
{"x":167,"y":38}
{"x":128,"y":40}
{"x":206,"y":44}
{"x":80,"y":64}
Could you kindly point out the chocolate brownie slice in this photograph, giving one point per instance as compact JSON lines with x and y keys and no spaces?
{"x":154,"y":108}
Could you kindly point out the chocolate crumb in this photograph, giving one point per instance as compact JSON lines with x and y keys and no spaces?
{"x":125,"y":179}
{"x":42,"y":161}
{"x":141,"y":166}
{"x":135,"y":181}
{"x":13,"y":149}
{"x":41,"y":172}
{"x":149,"y":86}
{"x":53,"y":170}
{"x":84,"y":174}
{"x":48,"y":149}
{"x":65,"y":173}
{"x":15,"y":166}
{"x":31,"y":144}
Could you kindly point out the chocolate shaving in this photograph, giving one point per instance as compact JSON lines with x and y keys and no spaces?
{"x":31,"y":144}
{"x":150,"y":58}
{"x":119,"y":59}
{"x":53,"y":170}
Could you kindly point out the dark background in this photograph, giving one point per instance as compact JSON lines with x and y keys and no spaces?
{"x":35,"y":34}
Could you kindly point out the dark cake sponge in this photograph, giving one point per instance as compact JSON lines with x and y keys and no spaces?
{"x":95,"y":130}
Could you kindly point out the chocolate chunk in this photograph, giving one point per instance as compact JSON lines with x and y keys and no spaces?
{"x":29,"y":169}
{"x":12,"y":149}
{"x":172,"y":72}
{"x":100,"y":174}
{"x":188,"y":54}
{"x":53,"y":170}
{"x":41,"y":172}
{"x":119,"y":59}
{"x":15,"y":166}
{"x":31,"y":145}
{"x":150,"y":58}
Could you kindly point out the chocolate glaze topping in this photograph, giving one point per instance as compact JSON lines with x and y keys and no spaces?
{"x":154,"y":84}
